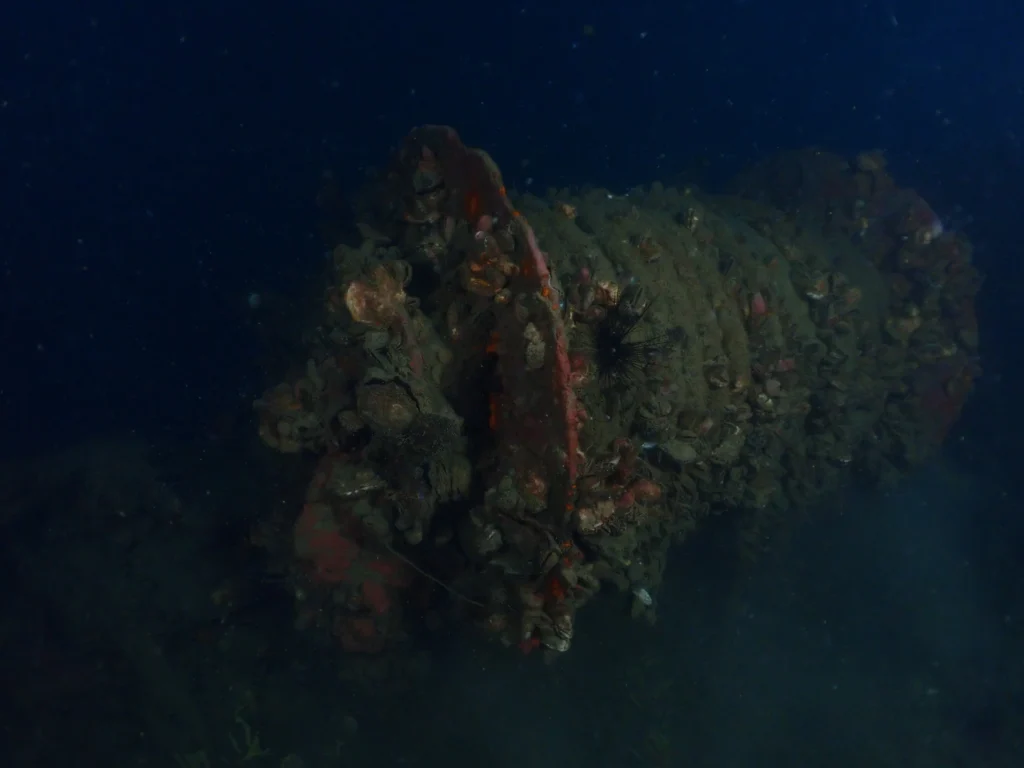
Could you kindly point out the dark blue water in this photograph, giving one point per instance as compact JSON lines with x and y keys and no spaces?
{"x":161,"y":163}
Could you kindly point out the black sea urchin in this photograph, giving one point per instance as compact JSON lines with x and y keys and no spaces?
{"x":621,"y":359}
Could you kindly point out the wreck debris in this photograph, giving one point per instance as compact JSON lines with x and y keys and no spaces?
{"x":789,"y":337}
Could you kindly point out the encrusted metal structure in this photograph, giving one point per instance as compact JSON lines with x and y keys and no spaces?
{"x":514,"y":404}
